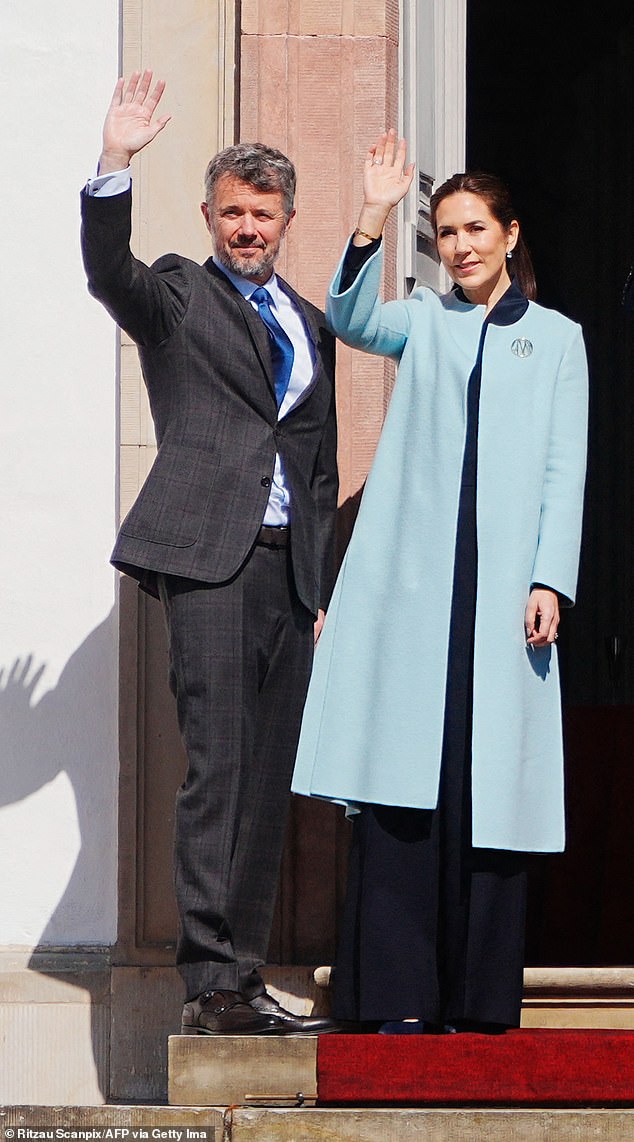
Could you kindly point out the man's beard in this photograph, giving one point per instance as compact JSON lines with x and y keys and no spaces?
{"x":253,"y":267}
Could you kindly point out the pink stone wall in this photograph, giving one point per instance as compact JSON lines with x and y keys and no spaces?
{"x":319,"y":80}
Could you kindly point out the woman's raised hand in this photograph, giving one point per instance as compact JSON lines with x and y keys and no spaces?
{"x":129,"y":125}
{"x":386,"y":180}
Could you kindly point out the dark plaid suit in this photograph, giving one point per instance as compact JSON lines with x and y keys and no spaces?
{"x":239,"y":616}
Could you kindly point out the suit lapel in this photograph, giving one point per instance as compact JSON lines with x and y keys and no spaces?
{"x":255,"y":326}
{"x":259,"y":336}
{"x":306,"y":312}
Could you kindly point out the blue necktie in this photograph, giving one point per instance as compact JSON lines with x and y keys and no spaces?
{"x":282,"y":352}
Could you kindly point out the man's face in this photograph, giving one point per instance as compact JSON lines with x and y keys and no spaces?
{"x":247,"y":226}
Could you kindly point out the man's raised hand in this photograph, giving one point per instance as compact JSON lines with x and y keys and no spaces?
{"x":129,"y":125}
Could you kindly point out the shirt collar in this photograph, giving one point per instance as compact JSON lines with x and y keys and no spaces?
{"x":510,"y":307}
{"x":246,"y":287}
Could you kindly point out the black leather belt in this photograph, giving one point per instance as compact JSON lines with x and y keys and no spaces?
{"x":273,"y":536}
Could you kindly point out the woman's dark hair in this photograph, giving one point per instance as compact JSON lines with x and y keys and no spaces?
{"x":496,"y":195}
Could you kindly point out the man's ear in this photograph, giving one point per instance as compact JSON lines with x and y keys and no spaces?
{"x":205,"y":213}
{"x":289,"y":220}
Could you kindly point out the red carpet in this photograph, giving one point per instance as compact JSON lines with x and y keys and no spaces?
{"x":532,"y":1067}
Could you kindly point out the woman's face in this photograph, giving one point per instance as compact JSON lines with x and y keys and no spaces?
{"x":473,"y":246}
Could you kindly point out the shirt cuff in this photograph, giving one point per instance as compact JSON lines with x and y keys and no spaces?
{"x":107,"y":185}
{"x":354,"y":261}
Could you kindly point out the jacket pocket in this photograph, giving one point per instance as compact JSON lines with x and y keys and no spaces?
{"x":170,"y":508}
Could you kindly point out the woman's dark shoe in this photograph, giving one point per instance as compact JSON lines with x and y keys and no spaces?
{"x":402,"y":1027}
{"x":471,"y":1025}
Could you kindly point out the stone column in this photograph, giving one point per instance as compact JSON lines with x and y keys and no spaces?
{"x":319,"y":80}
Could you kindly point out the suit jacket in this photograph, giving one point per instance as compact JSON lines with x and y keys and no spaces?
{"x":206,"y":363}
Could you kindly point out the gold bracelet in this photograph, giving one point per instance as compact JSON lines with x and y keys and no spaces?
{"x":370,"y":237}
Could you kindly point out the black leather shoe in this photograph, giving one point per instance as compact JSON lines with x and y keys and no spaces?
{"x":291,"y":1024}
{"x":223,"y":1012}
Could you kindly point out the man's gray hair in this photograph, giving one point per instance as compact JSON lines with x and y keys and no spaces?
{"x":260,"y":166}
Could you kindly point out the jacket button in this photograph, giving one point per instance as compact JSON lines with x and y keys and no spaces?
{"x":265,"y":482}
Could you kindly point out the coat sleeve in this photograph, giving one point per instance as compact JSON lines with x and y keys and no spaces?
{"x":359,"y":318}
{"x":148,"y":303}
{"x":557,"y":559}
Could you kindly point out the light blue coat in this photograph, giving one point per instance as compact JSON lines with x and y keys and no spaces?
{"x":373,"y":722}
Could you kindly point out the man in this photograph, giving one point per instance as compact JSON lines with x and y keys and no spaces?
{"x":233,"y":530}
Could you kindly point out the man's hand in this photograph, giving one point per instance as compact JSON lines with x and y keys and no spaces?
{"x":128,"y":126}
{"x":542,"y":617}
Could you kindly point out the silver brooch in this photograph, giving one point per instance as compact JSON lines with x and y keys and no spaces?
{"x":522,"y":347}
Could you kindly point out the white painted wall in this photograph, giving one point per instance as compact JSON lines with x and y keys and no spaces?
{"x":58,"y":625}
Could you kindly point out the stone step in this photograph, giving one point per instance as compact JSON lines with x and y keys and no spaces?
{"x":222,"y":1070}
{"x":361,"y":1070}
{"x":266,"y":1124}
{"x":392,"y":1125}
{"x":111,"y":1123}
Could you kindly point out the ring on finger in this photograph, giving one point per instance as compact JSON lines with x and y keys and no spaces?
{"x":377,"y":162}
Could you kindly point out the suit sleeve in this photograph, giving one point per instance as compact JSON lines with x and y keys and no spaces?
{"x":557,"y":558}
{"x":148,"y":304}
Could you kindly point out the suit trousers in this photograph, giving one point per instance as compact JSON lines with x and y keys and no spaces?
{"x":240,"y":660}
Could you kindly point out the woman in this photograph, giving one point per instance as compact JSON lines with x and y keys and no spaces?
{"x":434,"y":707}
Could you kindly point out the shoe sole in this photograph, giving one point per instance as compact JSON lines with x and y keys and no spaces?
{"x":186,"y":1029}
{"x":309,"y":1034}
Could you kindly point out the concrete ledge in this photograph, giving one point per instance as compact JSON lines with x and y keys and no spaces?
{"x":54,"y":1025}
{"x":245,"y":1124}
{"x":208,"y":1070}
{"x":252,"y":1125}
{"x":132,"y":1123}
{"x":587,"y":981}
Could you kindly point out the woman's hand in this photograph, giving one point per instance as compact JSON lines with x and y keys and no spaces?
{"x":541,"y":618}
{"x":318,"y":625}
{"x":386,"y":180}
{"x":129,"y":126}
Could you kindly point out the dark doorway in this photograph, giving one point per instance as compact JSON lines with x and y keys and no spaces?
{"x":550,"y":108}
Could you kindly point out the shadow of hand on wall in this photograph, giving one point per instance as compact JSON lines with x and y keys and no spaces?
{"x":71,"y":730}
